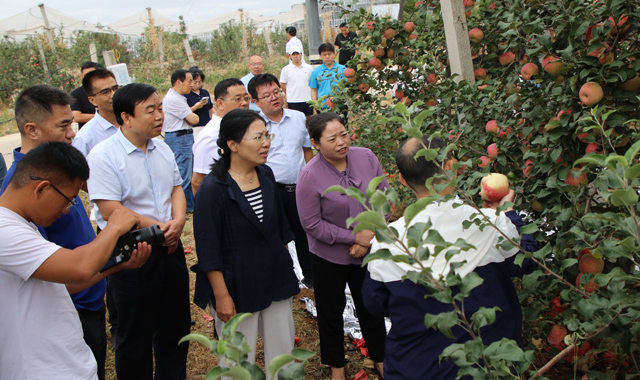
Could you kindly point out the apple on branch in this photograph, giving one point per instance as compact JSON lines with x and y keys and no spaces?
{"x":494,"y":187}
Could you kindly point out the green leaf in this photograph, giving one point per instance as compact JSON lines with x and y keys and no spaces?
{"x":631,"y":153}
{"x":231,"y":326}
{"x":442,"y":322}
{"x":412,"y":210}
{"x":470,"y":282}
{"x":280,"y":361}
{"x":615,"y":158}
{"x":356,"y":194}
{"x":197,"y":337}
{"x":484,"y":317}
{"x":632,"y":172}
{"x":293,"y":372}
{"x":381,"y":254}
{"x":566,"y":263}
{"x":337,"y":188}
{"x":529,"y":228}
{"x":624,"y":197}
{"x":401,"y":108}
{"x":254,"y":370}
{"x":595,"y":159}
{"x":237,"y":373}
{"x":369,"y":220}
{"x":373,"y":185}
{"x":216,"y":373}
{"x":414,"y":132}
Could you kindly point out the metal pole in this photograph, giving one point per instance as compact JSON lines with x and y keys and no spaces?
{"x":47,"y":28}
{"x":313,"y":30}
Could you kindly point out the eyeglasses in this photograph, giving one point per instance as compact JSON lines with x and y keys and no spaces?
{"x":72,"y":202}
{"x":256,"y":64}
{"x":239,"y":99}
{"x":277,"y":94}
{"x":262,"y":138}
{"x":107,"y":91}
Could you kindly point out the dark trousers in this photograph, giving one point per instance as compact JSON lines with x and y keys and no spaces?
{"x":302,"y":245}
{"x":153,"y":314}
{"x":113,"y":313}
{"x":305,"y":108}
{"x":95,"y":335}
{"x":329,"y":283}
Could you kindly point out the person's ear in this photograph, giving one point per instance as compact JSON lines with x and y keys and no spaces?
{"x":125,"y":118}
{"x":38,"y":191}
{"x":219,"y":105}
{"x":315,"y":144}
{"x":92,"y":99}
{"x":31,"y":130}
{"x":233,"y":145}
{"x":403,"y":181}
{"x":448,"y":164}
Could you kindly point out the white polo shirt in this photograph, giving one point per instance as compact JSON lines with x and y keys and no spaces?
{"x":175,"y":109}
{"x":205,"y":148}
{"x":297,"y":81}
{"x":93,"y":132}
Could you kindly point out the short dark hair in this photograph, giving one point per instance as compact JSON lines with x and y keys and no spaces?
{"x":343,"y":24}
{"x":417,"y":171}
{"x":89,"y":65}
{"x":128,"y":97}
{"x":34,"y":104}
{"x":222,"y":88}
{"x":196,"y":72}
{"x":261,"y":80}
{"x":233,"y":127}
{"x":291,"y":30}
{"x":55,"y":161}
{"x":87,"y":81}
{"x":318,"y":123}
{"x":178,"y":75}
{"x":326,"y":47}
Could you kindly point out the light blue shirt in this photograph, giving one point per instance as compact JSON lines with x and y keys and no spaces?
{"x":94,"y":131}
{"x":323,"y":79}
{"x":141,"y":182}
{"x":245,"y":80}
{"x":286,"y":157}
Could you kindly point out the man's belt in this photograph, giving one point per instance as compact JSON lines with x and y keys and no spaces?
{"x":287,"y":188}
{"x":182,"y":132}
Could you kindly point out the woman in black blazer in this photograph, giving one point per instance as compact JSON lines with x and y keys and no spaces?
{"x":241,"y":235}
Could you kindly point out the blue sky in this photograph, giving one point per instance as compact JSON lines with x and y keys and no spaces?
{"x":109,"y":11}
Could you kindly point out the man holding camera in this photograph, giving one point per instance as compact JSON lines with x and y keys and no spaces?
{"x":134,"y":170}
{"x":40,"y":330}
{"x":43,"y":114}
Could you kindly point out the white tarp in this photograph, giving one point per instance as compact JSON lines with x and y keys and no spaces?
{"x":135,"y":25}
{"x":31,"y":21}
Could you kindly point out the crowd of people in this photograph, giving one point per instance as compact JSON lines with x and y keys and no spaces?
{"x":242,"y":163}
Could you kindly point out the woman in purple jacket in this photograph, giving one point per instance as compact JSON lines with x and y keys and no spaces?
{"x":336,"y":251}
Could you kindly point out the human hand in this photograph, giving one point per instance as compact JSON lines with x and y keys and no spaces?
{"x":364,"y":238}
{"x":225,"y":308}
{"x":139,"y":256}
{"x":124,"y":220}
{"x":357,"y":251}
{"x":507,"y":198}
{"x":172,"y":231}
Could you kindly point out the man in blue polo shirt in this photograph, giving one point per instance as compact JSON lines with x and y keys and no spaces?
{"x":327,"y":75}
{"x":43,"y":115}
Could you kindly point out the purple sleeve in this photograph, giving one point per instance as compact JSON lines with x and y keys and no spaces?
{"x":310,"y":212}
{"x":527,"y":242}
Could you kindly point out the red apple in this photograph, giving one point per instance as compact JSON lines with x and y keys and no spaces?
{"x":480,"y":73}
{"x":418,"y":3}
{"x":370,"y":25}
{"x":528,"y":70}
{"x":551,"y":65}
{"x":557,"y":334}
{"x":431,"y":79}
{"x":351,"y":79}
{"x":392,"y":80}
{"x":494,"y":187}
{"x":406,"y":101}
{"x":412,"y":36}
{"x":330,"y":103}
{"x":389,"y":33}
{"x":476,"y":35}
{"x":528,"y":166}
{"x":431,"y":102}
{"x":507,"y":58}
{"x":492,"y":126}
{"x":504,"y":132}
{"x":591,"y":93}
{"x":590,"y":264}
{"x":375,"y":63}
{"x":399,"y":94}
{"x":632,"y":84}
{"x":484,"y":161}
{"x":492,"y":150}
{"x":364,"y":87}
{"x":379,"y":53}
{"x":349,"y":72}
{"x":591,"y":147}
{"x":469,"y":3}
{"x":578,"y":181}
{"x":409,"y":27}
{"x":390,"y":53}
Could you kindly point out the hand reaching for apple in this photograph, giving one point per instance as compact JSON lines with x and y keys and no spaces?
{"x":507,"y":198}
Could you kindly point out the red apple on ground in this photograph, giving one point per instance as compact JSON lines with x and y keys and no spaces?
{"x":494,"y":187}
{"x":590,"y":264}
{"x":389,"y":33}
{"x":528,"y":70}
{"x":492,"y":150}
{"x":364,"y":87}
{"x":579,"y":180}
{"x":507,"y":58}
{"x":409,"y":27}
{"x":476,"y":35}
{"x":480,"y":73}
{"x":492,"y":126}
{"x":551,"y":65}
{"x":349,"y":72}
{"x":557,"y":334}
{"x":591,"y":93}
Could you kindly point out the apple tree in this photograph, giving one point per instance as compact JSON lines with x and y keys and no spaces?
{"x":555,"y":107}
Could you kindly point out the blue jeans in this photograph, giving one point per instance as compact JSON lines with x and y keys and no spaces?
{"x":182,"y":150}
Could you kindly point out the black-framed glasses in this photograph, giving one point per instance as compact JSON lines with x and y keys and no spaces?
{"x":107,"y":91}
{"x":239,"y":99}
{"x":277,"y":94}
{"x":72,"y":202}
{"x":262,"y":138}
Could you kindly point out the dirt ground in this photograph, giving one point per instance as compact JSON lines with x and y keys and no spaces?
{"x":200,"y":361}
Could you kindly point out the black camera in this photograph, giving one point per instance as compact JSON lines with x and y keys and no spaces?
{"x":126,"y":243}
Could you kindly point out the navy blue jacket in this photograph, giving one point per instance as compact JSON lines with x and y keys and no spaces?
{"x":256,"y":265}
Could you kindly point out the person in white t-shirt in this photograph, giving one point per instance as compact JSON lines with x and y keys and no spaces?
{"x":292,"y":41}
{"x":294,"y":79}
{"x":229,"y":95}
{"x":40,"y":331}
